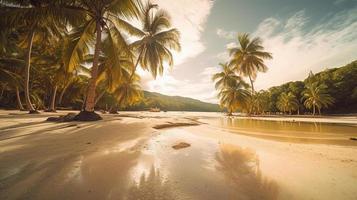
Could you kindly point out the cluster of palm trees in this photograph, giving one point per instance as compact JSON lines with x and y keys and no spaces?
{"x":89,"y":43}
{"x":247,"y":60}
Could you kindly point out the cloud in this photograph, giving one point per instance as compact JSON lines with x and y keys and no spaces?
{"x":189,"y":17}
{"x":297,"y":50}
{"x":201,"y":88}
{"x":226,"y":34}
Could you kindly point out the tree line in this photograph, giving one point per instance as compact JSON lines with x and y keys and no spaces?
{"x":330,"y":91}
{"x":70,"y":52}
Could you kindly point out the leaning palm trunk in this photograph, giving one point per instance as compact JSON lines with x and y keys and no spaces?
{"x":60,"y":98}
{"x":19,"y":99}
{"x":27,"y":73}
{"x":90,"y":101}
{"x":136,"y":64}
{"x":99,"y":97}
{"x":53,"y":100}
{"x":251,"y":83}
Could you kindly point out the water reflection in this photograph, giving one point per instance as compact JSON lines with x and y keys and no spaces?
{"x":291,"y":131}
{"x":241,"y":168}
{"x":152,"y":187}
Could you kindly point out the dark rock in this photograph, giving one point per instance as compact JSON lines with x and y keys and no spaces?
{"x":34,"y":112}
{"x":113,"y":112}
{"x":87,"y":116}
{"x":181,"y":145}
{"x":353,"y":138}
{"x":66,"y":118}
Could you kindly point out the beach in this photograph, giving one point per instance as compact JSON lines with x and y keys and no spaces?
{"x":131,"y":156}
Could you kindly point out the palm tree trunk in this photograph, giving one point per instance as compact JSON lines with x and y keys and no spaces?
{"x":27,"y":72}
{"x":99,"y":97}
{"x":136,"y":64}
{"x":62,"y":93}
{"x":19,"y":99}
{"x":90,"y":102}
{"x":251,"y":83}
{"x":313,"y":110}
{"x":53,"y":100}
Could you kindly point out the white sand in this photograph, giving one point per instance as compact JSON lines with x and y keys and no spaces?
{"x":124,"y":158}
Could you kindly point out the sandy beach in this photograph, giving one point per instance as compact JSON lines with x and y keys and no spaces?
{"x":130,"y":156}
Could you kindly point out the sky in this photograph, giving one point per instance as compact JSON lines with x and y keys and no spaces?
{"x":303,"y":36}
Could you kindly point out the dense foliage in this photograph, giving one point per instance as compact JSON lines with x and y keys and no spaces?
{"x":70,"y":53}
{"x":329,"y":91}
{"x":339,"y":83}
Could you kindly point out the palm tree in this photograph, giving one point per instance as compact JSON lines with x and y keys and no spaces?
{"x":234,"y":96}
{"x":287,"y":102}
{"x":39,"y":19}
{"x":156,"y":41}
{"x":111,"y":76}
{"x":315,"y":96}
{"x":101,"y":16}
{"x":225,"y":77}
{"x":259,"y":102}
{"x":128,"y":92}
{"x":248,"y":58}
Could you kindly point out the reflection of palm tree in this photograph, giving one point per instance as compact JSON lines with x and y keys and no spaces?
{"x":151,"y":187}
{"x":241,"y":167}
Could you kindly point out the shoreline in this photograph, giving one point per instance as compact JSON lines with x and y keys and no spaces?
{"x":125,"y":155}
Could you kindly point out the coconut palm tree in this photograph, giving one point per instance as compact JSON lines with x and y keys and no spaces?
{"x":157,"y":40}
{"x":234,"y":96}
{"x":101,"y":17}
{"x":39,"y":19}
{"x":128,"y":92}
{"x":287,"y":102}
{"x":315,"y":97}
{"x":248,"y":58}
{"x":225,"y":77}
{"x":259,"y":102}
{"x":111,"y":76}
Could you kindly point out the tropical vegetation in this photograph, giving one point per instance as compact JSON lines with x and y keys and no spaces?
{"x":81,"y":48}
{"x":330,"y":91}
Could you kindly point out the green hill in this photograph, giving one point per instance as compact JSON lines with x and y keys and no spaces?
{"x":173,"y":103}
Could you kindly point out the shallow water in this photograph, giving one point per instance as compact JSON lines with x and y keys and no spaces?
{"x":289,"y":131}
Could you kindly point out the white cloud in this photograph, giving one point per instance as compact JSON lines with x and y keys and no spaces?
{"x":201,"y":88}
{"x":297,"y":51}
{"x":226,"y":34}
{"x":189,"y":17}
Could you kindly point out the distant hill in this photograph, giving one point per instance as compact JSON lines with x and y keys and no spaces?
{"x":173,"y":103}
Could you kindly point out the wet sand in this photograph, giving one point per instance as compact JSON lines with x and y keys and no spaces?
{"x":125,"y":157}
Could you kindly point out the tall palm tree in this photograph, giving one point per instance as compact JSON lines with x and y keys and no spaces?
{"x":225,"y":77}
{"x":101,"y":16}
{"x":157,"y":39}
{"x":248,"y":58}
{"x":315,"y":97}
{"x":234,"y":96}
{"x":287,"y":102}
{"x":39,"y":18}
